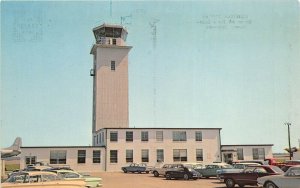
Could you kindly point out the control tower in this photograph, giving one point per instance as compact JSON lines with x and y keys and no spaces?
{"x":110,"y":77}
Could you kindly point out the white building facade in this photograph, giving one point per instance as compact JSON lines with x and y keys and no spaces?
{"x":79,"y":158}
{"x":246,"y":152}
{"x":117,"y":147}
{"x":158,"y":145}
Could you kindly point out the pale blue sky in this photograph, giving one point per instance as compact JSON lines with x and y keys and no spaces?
{"x":232,"y":65}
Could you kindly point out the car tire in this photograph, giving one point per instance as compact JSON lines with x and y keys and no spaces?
{"x":155,"y":173}
{"x":229,"y":183}
{"x":124,"y":170}
{"x":147,"y":172}
{"x":270,"y":185}
{"x":168,"y":176}
{"x":186,"y":177}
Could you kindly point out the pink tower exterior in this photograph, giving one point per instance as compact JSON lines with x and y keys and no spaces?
{"x":110,"y":73}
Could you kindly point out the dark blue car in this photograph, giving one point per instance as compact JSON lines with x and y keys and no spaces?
{"x":134,"y":167}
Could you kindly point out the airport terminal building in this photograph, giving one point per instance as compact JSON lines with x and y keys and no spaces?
{"x":115,"y":143}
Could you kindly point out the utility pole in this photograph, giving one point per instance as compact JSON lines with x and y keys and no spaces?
{"x":289,"y":137}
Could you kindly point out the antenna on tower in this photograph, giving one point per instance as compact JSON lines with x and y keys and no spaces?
{"x":154,"y":30}
{"x":110,"y":8}
{"x":154,"y":37}
{"x":126,"y":20}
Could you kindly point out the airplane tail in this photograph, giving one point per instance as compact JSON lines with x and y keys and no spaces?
{"x":16,"y":145}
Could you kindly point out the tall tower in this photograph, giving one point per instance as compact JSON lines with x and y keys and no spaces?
{"x":110,"y":73}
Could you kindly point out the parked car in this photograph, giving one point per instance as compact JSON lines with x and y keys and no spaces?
{"x":90,"y":181}
{"x":290,"y":179}
{"x":40,"y":179}
{"x":194,"y":165}
{"x":211,"y":169}
{"x":182,"y":173}
{"x":250,"y":174}
{"x":237,"y":167}
{"x":157,"y":171}
{"x":135,"y":167}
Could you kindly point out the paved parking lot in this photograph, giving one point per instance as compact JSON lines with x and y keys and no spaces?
{"x":120,"y":179}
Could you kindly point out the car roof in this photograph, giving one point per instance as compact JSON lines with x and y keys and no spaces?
{"x":62,"y":170}
{"x":34,"y":173}
{"x":248,"y":164}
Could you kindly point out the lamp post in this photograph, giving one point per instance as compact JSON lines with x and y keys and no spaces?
{"x":290,"y":150}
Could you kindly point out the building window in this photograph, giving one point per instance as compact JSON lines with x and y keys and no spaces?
{"x":129,"y":136}
{"x":240,"y":154}
{"x":114,"y":136}
{"x":179,"y":155}
{"x":114,"y":41}
{"x":258,"y":153}
{"x":113,"y":65}
{"x":145,"y":155}
{"x":144,"y":136}
{"x":58,"y":157}
{"x":113,"y":156}
{"x":102,"y":137}
{"x":199,"y":154}
{"x":159,"y":155}
{"x":30,"y":160}
{"x":159,"y":136}
{"x":95,"y":139}
{"x":198,"y":136}
{"x":96,"y":156}
{"x":129,"y":156}
{"x":81,"y":156}
{"x":179,"y":136}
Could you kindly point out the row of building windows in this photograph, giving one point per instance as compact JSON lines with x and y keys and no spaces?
{"x":179,"y":155}
{"x":257,"y":154}
{"x":60,"y":157}
{"x":177,"y":136}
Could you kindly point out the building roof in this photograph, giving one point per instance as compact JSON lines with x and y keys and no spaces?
{"x":249,"y":145}
{"x":157,"y":128}
{"x":62,"y":147}
{"x":110,"y":25}
{"x":160,"y":128}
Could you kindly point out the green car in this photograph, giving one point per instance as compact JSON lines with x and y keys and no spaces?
{"x":211,"y":169}
{"x":90,"y":181}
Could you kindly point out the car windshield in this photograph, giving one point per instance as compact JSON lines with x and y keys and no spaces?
{"x":16,"y":178}
{"x":293,"y":171}
{"x":277,"y":170}
{"x":227,"y":166}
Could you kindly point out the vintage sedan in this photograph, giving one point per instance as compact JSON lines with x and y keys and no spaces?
{"x":182,"y":173}
{"x":250,"y":174}
{"x":211,"y":169}
{"x":90,"y":181}
{"x":237,"y":167}
{"x":134,"y":167}
{"x":40,"y":179}
{"x":290,"y":179}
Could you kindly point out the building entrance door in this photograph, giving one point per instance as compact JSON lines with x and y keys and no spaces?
{"x":228,"y":157}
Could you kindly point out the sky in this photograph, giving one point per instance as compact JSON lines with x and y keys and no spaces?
{"x":200,"y":64}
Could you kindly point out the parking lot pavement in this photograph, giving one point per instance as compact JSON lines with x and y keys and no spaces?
{"x":129,"y":180}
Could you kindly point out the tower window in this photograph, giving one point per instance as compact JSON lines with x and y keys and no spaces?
{"x":114,"y":41}
{"x":112,"y":65}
